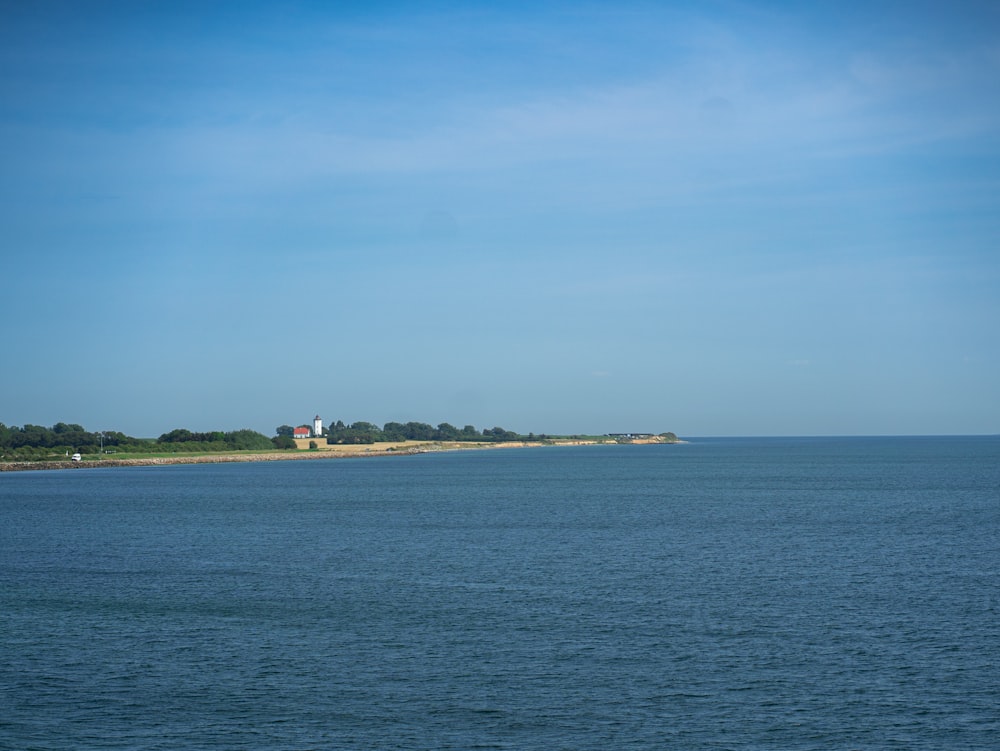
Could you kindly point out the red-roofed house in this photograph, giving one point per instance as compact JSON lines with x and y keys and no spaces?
{"x":301,"y":433}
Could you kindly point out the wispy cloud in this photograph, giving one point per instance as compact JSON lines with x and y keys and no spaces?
{"x":737,"y":117}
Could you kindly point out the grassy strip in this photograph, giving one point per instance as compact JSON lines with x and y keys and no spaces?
{"x":179,"y":454}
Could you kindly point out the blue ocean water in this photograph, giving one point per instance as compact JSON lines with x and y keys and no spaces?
{"x":721,"y":594}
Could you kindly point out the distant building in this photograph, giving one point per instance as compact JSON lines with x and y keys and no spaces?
{"x":301,"y":433}
{"x":317,"y":427}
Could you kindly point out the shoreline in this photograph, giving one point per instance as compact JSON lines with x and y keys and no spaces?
{"x":337,"y":452}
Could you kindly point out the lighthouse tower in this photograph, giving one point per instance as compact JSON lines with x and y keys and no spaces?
{"x":317,"y":427}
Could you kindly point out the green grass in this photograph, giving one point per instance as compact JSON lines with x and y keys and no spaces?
{"x":179,"y":454}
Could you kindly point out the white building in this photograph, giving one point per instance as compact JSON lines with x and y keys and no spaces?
{"x":317,"y":427}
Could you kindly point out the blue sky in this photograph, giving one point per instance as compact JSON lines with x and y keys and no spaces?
{"x":719,"y":218}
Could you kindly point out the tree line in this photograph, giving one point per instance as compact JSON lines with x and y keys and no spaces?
{"x":340,"y":433}
{"x":32,"y":442}
{"x":35,"y":441}
{"x":236,"y":440}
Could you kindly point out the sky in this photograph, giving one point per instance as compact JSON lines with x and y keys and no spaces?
{"x":711,"y":218}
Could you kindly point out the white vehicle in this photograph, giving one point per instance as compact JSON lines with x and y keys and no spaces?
{"x":76,"y":457}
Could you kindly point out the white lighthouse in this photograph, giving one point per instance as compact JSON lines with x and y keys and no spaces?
{"x":317,"y":427}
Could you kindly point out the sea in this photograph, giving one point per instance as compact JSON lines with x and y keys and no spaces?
{"x":727,"y":593}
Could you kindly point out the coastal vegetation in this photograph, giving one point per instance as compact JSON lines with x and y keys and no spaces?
{"x":34,"y":443}
{"x":38,"y":443}
{"x":365,"y":432}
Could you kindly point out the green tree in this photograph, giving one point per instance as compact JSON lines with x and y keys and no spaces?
{"x":37,"y":436}
{"x":349,"y":436}
{"x":248,"y":440}
{"x":178,"y":435}
{"x":499,"y":434}
{"x":446,"y":432}
{"x":394,"y":431}
{"x":418,"y":431}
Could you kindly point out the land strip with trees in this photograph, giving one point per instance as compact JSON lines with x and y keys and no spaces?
{"x":39,"y":445}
